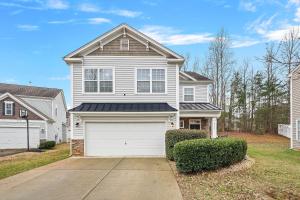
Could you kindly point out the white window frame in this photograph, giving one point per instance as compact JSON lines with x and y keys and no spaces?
{"x":182,"y":123}
{"x":183,"y":93}
{"x":191,"y":123}
{"x":12,"y":108}
{"x":150,"y":68}
{"x":121,"y":44}
{"x":98,"y":80}
{"x":297,"y":130}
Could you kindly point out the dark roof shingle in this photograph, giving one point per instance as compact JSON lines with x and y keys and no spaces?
{"x":198,"y":106}
{"x":25,"y":90}
{"x":123,"y":107}
{"x":194,"y":75}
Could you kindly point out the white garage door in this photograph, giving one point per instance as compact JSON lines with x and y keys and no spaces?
{"x":16,"y":137}
{"x":125,"y":139}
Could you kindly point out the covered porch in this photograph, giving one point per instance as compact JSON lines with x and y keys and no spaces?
{"x":201,"y":116}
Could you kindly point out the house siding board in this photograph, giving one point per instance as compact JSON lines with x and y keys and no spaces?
{"x":295,"y":108}
{"x":200,"y":91}
{"x":43,"y":105}
{"x":135,"y":49}
{"x":16,"y":115}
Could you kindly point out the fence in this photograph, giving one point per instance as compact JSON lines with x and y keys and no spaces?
{"x":284,"y":130}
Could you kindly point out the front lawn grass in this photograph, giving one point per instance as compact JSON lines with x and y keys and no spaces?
{"x":29,"y":160}
{"x":275,"y":174}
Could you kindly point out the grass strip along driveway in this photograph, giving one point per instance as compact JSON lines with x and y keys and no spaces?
{"x":275,"y":174}
{"x":14,"y":164}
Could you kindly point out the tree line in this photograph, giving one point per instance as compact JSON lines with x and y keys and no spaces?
{"x":254,"y":93}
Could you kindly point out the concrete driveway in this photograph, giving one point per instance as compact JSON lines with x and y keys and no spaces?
{"x":95,"y":178}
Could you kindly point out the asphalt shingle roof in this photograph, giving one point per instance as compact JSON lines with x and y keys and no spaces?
{"x":198,"y":106}
{"x":123,"y":107}
{"x":195,"y":75}
{"x":25,"y":90}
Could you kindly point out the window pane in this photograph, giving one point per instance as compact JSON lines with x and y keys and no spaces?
{"x":8,"y":108}
{"x":124,"y":44}
{"x":189,"y":91}
{"x":90,"y":86}
{"x":158,"y":86}
{"x":143,"y":74}
{"x":188,"y":97}
{"x":158,"y":74}
{"x":143,"y":86}
{"x":106,"y":74}
{"x":106,"y":86}
{"x":90,"y":74}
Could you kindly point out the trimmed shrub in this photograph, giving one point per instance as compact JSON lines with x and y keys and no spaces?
{"x":47,"y":145}
{"x":208,"y":154}
{"x":178,"y":135}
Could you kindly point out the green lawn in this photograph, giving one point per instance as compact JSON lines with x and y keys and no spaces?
{"x":25,"y":161}
{"x":275,"y":174}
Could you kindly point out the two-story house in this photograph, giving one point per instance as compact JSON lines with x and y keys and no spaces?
{"x":46,"y":110}
{"x":127,"y":90}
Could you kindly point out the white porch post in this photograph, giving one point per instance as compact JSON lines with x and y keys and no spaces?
{"x":214,"y":128}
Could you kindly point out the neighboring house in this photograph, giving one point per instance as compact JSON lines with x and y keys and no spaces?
{"x":46,"y":109}
{"x":295,"y":108}
{"x":127,"y":90}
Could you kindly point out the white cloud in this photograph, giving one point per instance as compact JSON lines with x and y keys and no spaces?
{"x":295,"y":2}
{"x":297,"y":15}
{"x":60,"y":78}
{"x":17,"y":5}
{"x":98,"y":20}
{"x":247,"y":5}
{"x":124,"y":13}
{"x":171,"y":36}
{"x":150,"y":3}
{"x":57,"y":4}
{"x":246,"y":42}
{"x":62,"y":21}
{"x":28,"y":27}
{"x":87,"y":7}
{"x":278,"y":34}
{"x":10,"y":80}
{"x":261,"y":25}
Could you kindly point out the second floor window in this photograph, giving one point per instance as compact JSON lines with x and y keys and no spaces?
{"x":151,"y":81}
{"x":188,"y":94}
{"x":98,"y":80}
{"x":124,"y":44}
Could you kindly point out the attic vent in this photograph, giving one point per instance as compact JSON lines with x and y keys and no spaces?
{"x":124,"y":44}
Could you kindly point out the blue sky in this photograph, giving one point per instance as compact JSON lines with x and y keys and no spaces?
{"x":36,"y":34}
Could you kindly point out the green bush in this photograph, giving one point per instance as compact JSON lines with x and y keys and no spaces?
{"x":47,"y":145}
{"x":178,"y":135}
{"x":208,"y":154}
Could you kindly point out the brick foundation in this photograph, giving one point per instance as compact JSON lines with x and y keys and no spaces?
{"x":78,"y":147}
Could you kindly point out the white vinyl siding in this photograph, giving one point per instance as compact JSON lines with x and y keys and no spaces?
{"x":295,"y":109}
{"x":201,"y":91}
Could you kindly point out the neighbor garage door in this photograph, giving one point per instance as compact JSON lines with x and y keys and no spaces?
{"x":16,"y":137}
{"x":125,"y":139}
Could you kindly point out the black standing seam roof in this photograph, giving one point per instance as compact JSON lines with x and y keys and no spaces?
{"x":123,"y":107}
{"x":199,"y":106}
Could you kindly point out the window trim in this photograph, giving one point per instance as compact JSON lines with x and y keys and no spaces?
{"x":182,"y":124}
{"x":190,"y":120}
{"x":150,"y":68}
{"x":194,"y":93}
{"x":12,"y":108}
{"x":98,"y":80}
{"x":121,"y":47}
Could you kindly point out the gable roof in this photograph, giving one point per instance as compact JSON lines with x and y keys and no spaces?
{"x":26,"y":105}
{"x":125,"y":29}
{"x":192,"y":76}
{"x":25,"y":90}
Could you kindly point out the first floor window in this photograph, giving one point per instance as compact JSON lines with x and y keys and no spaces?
{"x":98,"y":80}
{"x":151,"y":81}
{"x":195,"y":124}
{"x":188,"y":94}
{"x":182,"y":123}
{"x":8,"y":108}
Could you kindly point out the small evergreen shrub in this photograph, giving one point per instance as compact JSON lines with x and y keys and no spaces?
{"x":178,"y":135}
{"x":208,"y":154}
{"x":47,"y":145}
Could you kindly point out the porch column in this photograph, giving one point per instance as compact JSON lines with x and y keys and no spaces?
{"x":214,"y":128}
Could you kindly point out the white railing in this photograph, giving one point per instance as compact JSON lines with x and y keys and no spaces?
{"x":284,"y":130}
